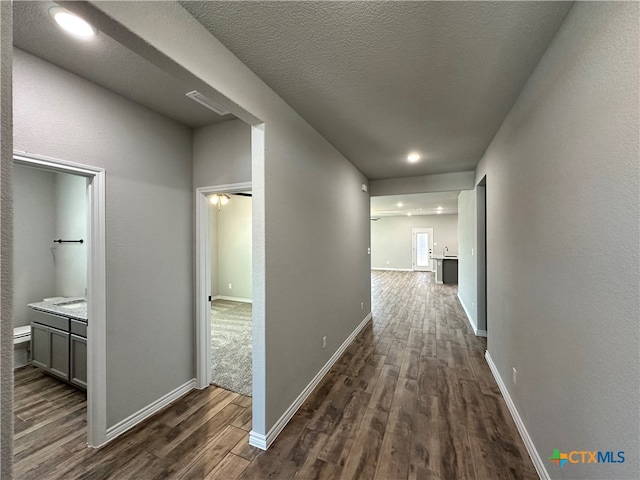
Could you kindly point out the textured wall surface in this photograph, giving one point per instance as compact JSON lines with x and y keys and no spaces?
{"x":222,"y":154}
{"x":6,"y":253}
{"x":564,"y":243}
{"x":467,"y":267}
{"x":34,"y":229}
{"x":233,"y":252}
{"x":71,"y":224}
{"x":149,"y":227}
{"x":391,"y":238}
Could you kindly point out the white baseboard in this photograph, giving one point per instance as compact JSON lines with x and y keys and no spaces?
{"x":393,"y":269}
{"x":264,"y":441}
{"x":479,"y":333}
{"x":528,"y":442}
{"x":232,"y":299}
{"x":133,"y":420}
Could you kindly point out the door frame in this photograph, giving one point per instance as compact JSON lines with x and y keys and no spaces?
{"x":415,"y":231}
{"x":203,"y":276}
{"x":96,"y":286}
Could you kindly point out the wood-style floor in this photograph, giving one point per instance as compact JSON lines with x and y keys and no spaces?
{"x":411,"y":398}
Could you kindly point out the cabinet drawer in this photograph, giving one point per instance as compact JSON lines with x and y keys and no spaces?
{"x":50,"y":320}
{"x":79,"y":328}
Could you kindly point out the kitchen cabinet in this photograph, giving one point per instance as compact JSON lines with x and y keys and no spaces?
{"x":450,"y":270}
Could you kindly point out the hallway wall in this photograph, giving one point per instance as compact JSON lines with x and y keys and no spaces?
{"x":149,"y":227}
{"x":563,"y":243}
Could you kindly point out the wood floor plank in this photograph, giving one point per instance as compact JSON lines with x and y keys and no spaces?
{"x":363,"y":458}
{"x":394,"y":454}
{"x":204,"y":459}
{"x":231,"y":466}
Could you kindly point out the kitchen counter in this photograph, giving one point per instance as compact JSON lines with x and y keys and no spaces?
{"x":70,"y":307}
{"x":448,"y":257}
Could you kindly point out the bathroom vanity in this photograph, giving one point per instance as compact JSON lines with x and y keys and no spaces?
{"x":59,"y":338}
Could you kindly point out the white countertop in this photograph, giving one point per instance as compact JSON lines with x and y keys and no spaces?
{"x":448,"y":257}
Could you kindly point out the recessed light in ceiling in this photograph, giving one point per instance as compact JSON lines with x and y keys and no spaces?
{"x":72,"y":23}
{"x":399,"y":204}
{"x":439,"y":208}
{"x":409,"y":214}
{"x":413,"y":157}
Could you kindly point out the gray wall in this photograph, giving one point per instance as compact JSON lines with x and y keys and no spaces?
{"x":232,"y":248}
{"x":149,"y":239}
{"x":311,"y":267}
{"x":34,"y":229}
{"x":563,"y":242}
{"x":443,"y":182}
{"x":213,"y":219}
{"x":467,"y":265}
{"x":222,"y":154}
{"x":391,"y":238}
{"x":6,"y":241}
{"x":71,"y":259}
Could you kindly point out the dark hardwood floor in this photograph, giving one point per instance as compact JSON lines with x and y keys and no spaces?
{"x":411,"y":398}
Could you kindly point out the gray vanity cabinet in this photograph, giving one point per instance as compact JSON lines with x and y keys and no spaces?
{"x":59,"y":353}
{"x":50,"y":350}
{"x":78,"y":360}
{"x":40,"y":346}
{"x":59,"y":346}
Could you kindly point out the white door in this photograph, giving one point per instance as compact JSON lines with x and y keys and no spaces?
{"x":422,"y":249}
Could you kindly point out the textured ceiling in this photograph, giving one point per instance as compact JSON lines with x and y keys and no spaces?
{"x":381,"y":79}
{"x":416,"y":204}
{"x":107,"y":63}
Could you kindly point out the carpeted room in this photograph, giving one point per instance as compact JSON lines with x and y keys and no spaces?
{"x":231,"y":293}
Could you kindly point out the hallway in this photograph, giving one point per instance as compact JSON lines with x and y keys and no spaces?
{"x":411,"y":398}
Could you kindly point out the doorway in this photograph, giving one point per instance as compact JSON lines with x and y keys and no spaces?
{"x":95,"y":285}
{"x":422,"y":249}
{"x":481,"y":215}
{"x":206,"y":264}
{"x":231,"y":291}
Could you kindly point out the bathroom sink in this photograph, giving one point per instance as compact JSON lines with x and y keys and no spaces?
{"x":72,"y":304}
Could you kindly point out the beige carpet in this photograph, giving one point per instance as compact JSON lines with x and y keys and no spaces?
{"x":231,"y":347}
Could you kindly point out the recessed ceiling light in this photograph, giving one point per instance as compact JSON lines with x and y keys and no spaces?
{"x":72,"y":23}
{"x":400,"y":204}
{"x":439,"y":208}
{"x":413,"y":157}
{"x":409,"y":214}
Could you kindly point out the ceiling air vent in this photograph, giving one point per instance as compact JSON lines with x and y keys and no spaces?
{"x":196,"y":96}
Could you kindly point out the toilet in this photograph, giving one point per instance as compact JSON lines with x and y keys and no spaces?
{"x":21,"y":346}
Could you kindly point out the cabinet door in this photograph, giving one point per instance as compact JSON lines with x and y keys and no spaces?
{"x":59,"y":353}
{"x":78,"y":374}
{"x":40,"y":346}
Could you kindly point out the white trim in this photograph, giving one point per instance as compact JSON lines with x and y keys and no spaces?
{"x":96,"y":286}
{"x":522,"y":429}
{"x":393,"y":269}
{"x":232,"y":299}
{"x":479,"y":333}
{"x":154,"y":407}
{"x":264,"y":441}
{"x":203,"y":277}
